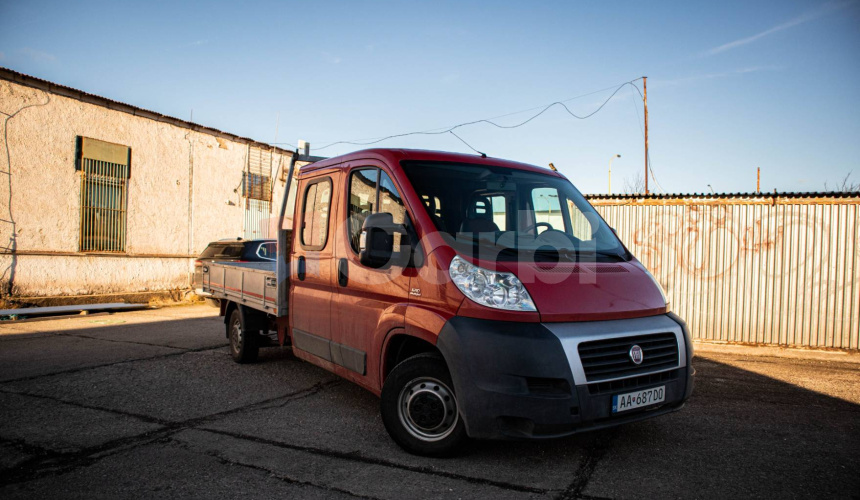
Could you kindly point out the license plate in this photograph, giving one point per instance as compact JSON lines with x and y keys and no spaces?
{"x":638,"y":399}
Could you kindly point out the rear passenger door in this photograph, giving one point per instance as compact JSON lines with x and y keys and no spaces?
{"x":312,"y":272}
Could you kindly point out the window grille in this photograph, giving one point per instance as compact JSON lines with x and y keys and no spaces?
{"x":257,"y":187}
{"x":105,"y":169}
{"x":257,"y":178}
{"x":257,"y":191}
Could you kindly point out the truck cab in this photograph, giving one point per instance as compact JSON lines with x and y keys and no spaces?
{"x":477,"y":297}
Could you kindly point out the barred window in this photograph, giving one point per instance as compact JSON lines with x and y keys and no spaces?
{"x":105,"y":170}
{"x":257,"y":191}
{"x":257,"y":187}
{"x":257,"y":177}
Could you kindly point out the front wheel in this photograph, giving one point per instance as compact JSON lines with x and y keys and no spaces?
{"x":243,"y":344}
{"x":419,"y":407}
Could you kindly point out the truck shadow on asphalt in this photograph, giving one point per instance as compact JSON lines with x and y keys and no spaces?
{"x":74,"y":399}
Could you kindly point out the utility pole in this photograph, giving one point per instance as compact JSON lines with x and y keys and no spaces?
{"x":758,"y":180}
{"x":645,"y":100}
{"x":610,"y":171}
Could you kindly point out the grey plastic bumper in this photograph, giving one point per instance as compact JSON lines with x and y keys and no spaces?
{"x":524,"y":380}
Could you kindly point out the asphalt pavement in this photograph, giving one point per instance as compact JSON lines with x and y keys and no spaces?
{"x":149,"y":404}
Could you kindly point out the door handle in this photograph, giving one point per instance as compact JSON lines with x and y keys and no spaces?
{"x":300,"y":272}
{"x":342,"y":272}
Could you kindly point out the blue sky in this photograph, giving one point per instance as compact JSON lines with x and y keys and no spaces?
{"x":732,"y":85}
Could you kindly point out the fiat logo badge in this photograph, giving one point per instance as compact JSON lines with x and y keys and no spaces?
{"x":636,"y":355}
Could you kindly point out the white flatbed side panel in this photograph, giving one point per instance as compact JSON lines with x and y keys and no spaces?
{"x":252,"y":284}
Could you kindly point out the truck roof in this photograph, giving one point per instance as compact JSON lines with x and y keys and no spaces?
{"x":395,"y":156}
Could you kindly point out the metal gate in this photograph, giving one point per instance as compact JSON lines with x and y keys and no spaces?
{"x":781,"y":270}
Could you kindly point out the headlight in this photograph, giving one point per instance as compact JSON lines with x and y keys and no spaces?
{"x":659,"y":287}
{"x":490,"y":288}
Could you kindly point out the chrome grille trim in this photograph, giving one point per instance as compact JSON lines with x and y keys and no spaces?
{"x":571,"y":335}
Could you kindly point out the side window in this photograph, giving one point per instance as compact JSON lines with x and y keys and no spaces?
{"x":433,"y":204}
{"x":315,"y":210}
{"x":362,"y":201}
{"x":500,"y":211}
{"x":582,"y":227}
{"x":391,"y":202}
{"x":547,"y":208}
{"x":267,"y":251}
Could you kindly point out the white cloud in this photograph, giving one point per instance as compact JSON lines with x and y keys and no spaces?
{"x":797,"y":21}
{"x":711,"y":76}
{"x":199,"y":42}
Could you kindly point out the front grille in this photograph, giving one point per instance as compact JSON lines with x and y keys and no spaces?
{"x":631,"y":384}
{"x":609,"y":358}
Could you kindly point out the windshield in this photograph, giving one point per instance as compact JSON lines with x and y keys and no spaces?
{"x":506,"y":214}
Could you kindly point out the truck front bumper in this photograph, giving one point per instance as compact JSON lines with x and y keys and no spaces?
{"x":526,"y":380}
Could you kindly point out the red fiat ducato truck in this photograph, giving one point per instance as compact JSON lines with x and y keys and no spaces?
{"x":478,"y":297}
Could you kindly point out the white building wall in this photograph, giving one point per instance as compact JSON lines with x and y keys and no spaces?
{"x":184,"y":191}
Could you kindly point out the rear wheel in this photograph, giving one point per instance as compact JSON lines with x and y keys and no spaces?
{"x":419,"y":407}
{"x":244,"y":345}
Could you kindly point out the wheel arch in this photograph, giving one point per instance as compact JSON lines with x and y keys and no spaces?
{"x":228,"y":311}
{"x":251,"y":319}
{"x":400,"y":346}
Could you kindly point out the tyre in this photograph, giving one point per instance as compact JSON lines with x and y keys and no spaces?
{"x":419,"y":407}
{"x":244,"y":346}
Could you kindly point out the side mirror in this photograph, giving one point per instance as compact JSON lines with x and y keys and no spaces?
{"x":376,"y":245}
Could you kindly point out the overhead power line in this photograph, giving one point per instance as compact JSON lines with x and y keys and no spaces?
{"x":490,"y":121}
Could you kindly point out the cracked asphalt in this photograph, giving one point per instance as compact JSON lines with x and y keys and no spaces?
{"x":149,"y":404}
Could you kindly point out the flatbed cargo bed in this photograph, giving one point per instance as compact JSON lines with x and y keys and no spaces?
{"x":251,"y":284}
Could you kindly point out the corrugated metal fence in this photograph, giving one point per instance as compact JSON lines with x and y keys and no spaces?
{"x":781,"y":269}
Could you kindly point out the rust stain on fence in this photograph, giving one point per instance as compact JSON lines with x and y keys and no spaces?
{"x":779,"y":270}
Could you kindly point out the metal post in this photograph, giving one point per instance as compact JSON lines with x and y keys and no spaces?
{"x":758,"y":180}
{"x":281,"y":265}
{"x":645,"y":100}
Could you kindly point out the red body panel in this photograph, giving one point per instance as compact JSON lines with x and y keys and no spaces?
{"x":310,"y":303}
{"x":377,"y":304}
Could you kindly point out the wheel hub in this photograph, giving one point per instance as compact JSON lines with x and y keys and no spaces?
{"x":236,"y":336}
{"x":428,"y":409}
